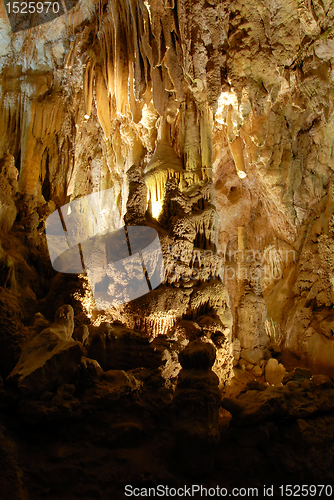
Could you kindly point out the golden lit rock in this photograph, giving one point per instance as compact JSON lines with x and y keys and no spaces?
{"x":209,"y":124}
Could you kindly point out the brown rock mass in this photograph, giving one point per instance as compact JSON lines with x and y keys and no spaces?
{"x":210,"y":124}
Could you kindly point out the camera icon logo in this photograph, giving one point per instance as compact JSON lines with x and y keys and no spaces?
{"x":121,"y":263}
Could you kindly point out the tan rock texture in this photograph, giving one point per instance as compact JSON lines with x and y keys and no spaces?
{"x":212,"y":122}
{"x":274,"y":372}
{"x":187,"y":89}
{"x":50,"y":358}
{"x":46,"y":362}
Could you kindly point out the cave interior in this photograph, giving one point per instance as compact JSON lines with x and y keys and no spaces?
{"x":166,"y":239}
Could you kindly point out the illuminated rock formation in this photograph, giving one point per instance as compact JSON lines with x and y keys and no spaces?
{"x":153,"y":90}
{"x":50,"y":358}
{"x":210,"y":123}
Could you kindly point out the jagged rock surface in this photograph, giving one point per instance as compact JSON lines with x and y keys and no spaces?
{"x":186,"y":110}
{"x":50,"y":358}
{"x":197,"y":399}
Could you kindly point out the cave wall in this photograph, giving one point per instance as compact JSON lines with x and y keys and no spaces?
{"x":275,"y":124}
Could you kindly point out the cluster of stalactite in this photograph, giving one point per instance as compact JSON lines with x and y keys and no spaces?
{"x":146,"y":98}
{"x":130,"y":67}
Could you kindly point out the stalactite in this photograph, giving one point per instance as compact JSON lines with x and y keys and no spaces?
{"x":156,"y":324}
{"x":136,"y":107}
{"x":206,"y":142}
{"x":103,"y":103}
{"x":192,"y":153}
{"x":237,"y":153}
{"x":160,"y":96}
{"x":205,"y":226}
{"x":88,"y":83}
{"x":164,"y":166}
{"x":175,"y":72}
{"x":156,"y":182}
{"x":134,"y":50}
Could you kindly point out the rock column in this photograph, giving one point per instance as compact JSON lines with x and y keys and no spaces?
{"x":197,"y":400}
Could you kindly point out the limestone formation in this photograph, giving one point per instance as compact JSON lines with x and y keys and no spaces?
{"x":301,"y":398}
{"x":50,"y":358}
{"x":251,"y":317}
{"x":209,"y":123}
{"x":274,"y":372}
{"x":63,"y":324}
{"x":8,"y":189}
{"x":81,"y":334}
{"x":197,"y":401}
